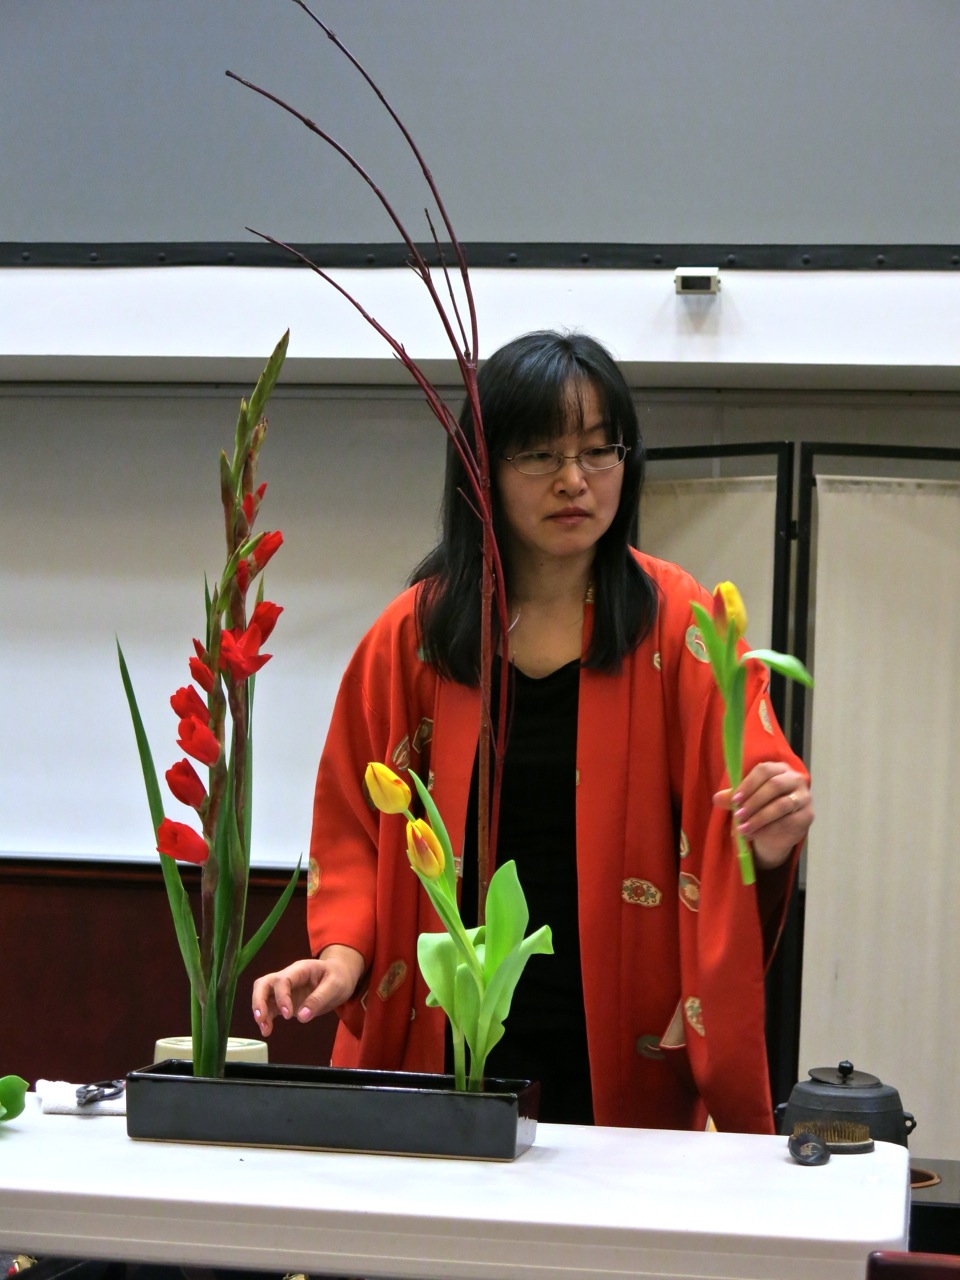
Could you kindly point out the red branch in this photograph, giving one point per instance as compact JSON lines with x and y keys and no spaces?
{"x":473,"y":454}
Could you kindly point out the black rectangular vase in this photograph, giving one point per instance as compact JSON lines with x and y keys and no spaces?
{"x":332,"y":1108}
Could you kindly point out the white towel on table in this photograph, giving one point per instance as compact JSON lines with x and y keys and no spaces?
{"x":59,"y":1098}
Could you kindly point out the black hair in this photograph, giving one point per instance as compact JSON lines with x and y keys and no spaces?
{"x":524,"y":390}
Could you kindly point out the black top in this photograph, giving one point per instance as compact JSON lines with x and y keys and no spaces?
{"x":545,"y":1032}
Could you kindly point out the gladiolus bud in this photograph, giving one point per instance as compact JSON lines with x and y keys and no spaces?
{"x":243,"y":575}
{"x":265,"y":617}
{"x":729,"y":609}
{"x":179,"y":841}
{"x":265,"y":548}
{"x":185,"y":784}
{"x":251,"y":503}
{"x":389,"y":793}
{"x":198,"y":741}
{"x":203,"y":675}
{"x":187,"y":702}
{"x":424,"y":849}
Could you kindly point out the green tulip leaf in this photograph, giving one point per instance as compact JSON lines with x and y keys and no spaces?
{"x":12,"y":1096}
{"x":785,"y":663}
{"x":467,"y":1005}
{"x":499,"y":993}
{"x":507,"y":916}
{"x":716,"y":650}
{"x":449,"y":913}
{"x":438,"y":957}
{"x":436,"y":822}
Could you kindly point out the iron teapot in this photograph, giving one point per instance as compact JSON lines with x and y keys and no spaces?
{"x":837,"y":1095}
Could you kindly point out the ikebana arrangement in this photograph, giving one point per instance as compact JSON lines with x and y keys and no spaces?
{"x":215,"y":727}
{"x":472,"y":973}
{"x":722,"y":631}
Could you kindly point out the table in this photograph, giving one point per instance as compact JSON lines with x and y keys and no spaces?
{"x":581,"y":1204}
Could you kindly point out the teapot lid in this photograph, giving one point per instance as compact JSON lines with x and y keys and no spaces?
{"x":844,"y":1074}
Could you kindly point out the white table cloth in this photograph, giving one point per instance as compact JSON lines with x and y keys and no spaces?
{"x":582,"y":1204}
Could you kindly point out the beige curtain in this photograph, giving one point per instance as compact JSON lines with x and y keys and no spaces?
{"x":719,"y":530}
{"x":881,"y":972}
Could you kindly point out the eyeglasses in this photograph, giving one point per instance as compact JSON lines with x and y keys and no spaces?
{"x":543,"y":462}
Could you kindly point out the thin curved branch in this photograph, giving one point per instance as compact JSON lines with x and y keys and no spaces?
{"x":464,"y":359}
{"x":428,"y":176}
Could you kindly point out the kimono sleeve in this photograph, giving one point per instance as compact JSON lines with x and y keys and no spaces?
{"x":384,"y":679}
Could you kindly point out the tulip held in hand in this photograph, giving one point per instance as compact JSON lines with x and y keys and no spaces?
{"x":722,"y":631}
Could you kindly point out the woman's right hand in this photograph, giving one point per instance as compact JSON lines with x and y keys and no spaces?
{"x":307,"y":988}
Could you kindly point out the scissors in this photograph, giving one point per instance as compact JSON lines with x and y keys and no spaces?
{"x":87,"y":1094}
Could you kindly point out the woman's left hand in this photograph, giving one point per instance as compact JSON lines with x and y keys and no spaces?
{"x":772,"y":809}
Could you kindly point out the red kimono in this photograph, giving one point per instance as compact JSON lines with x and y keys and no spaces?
{"x":673,"y":946}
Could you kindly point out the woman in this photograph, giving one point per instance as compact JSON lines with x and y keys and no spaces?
{"x":651,"y":1012}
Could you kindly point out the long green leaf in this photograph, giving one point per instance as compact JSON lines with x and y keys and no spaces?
{"x":223,"y":894}
{"x":449,"y":913}
{"x":716,"y":650}
{"x":468,"y":997}
{"x":253,"y":945}
{"x":267,"y":381}
{"x":440,"y":830}
{"x":507,"y":916}
{"x":496,"y":999}
{"x":438,"y":958}
{"x":183,"y":921}
{"x":785,"y":663}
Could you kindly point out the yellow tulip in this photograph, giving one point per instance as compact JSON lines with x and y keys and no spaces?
{"x":424,"y":849}
{"x":388,"y":792}
{"x":729,"y":609}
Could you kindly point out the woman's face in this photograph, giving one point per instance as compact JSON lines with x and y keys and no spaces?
{"x":565,"y":513}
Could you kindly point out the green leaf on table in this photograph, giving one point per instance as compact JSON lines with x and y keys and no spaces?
{"x":12,"y":1095}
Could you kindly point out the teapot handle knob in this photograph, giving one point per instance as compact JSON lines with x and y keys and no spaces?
{"x":846,"y":1069}
{"x":910,"y":1122}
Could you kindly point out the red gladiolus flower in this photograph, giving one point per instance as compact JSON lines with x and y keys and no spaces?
{"x":203,"y":676}
{"x":179,"y":841}
{"x":265,"y":548}
{"x":187,"y":702}
{"x":240,"y":655}
{"x":265,"y":617}
{"x":185,"y":784}
{"x":198,"y":741}
{"x":251,"y":503}
{"x":243,"y":575}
